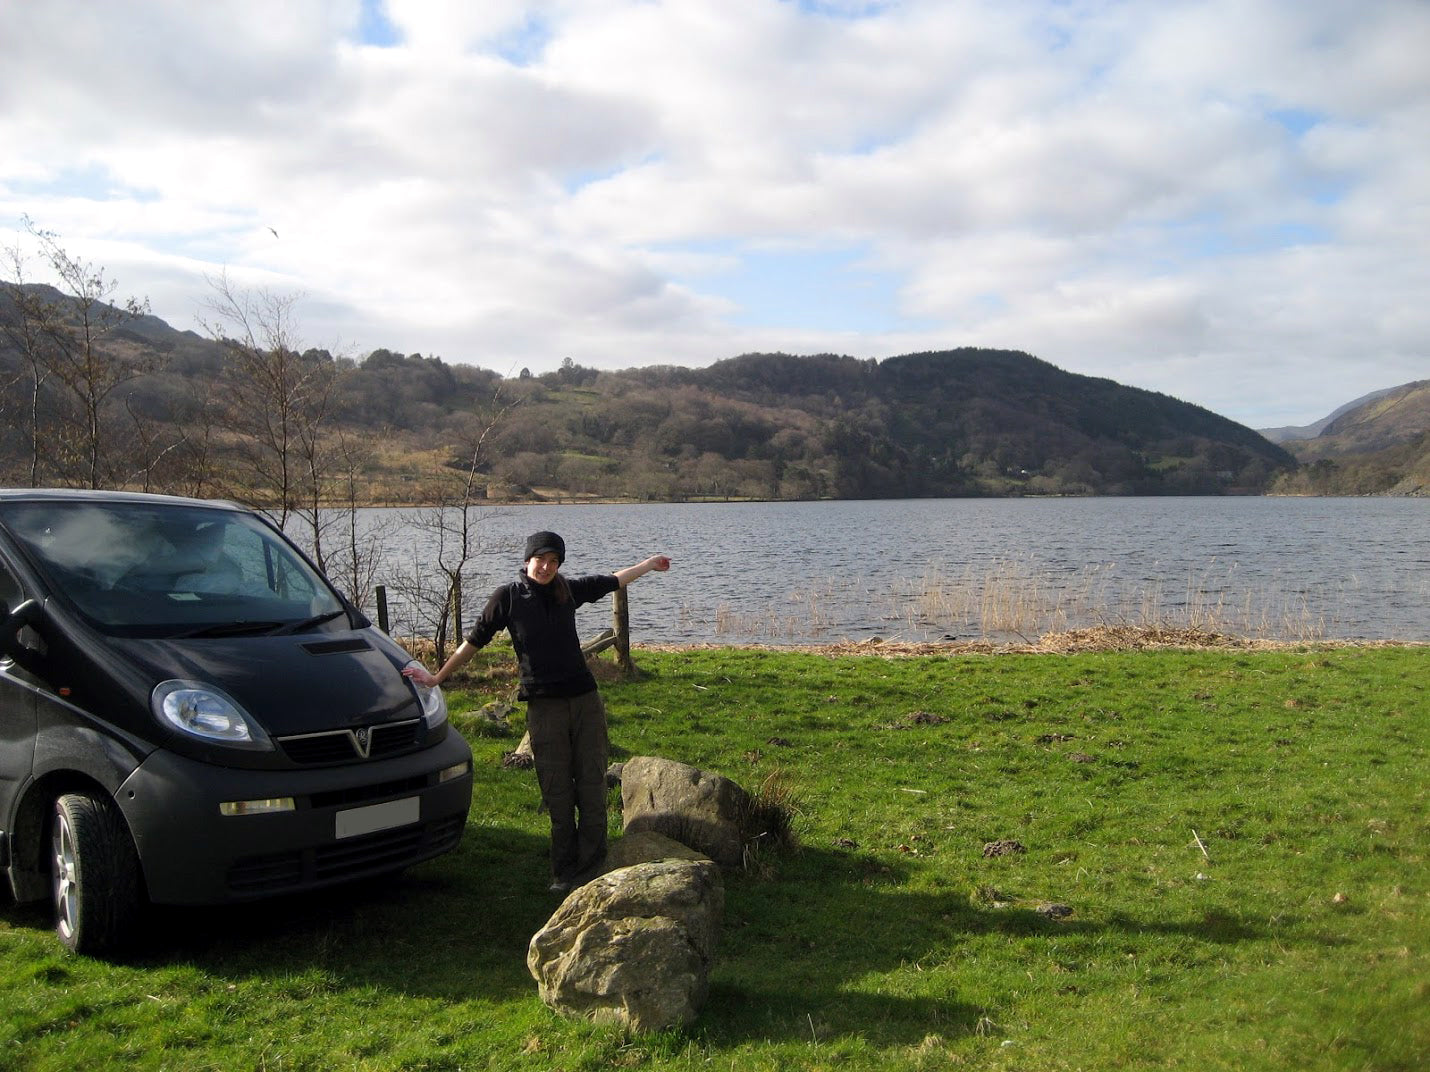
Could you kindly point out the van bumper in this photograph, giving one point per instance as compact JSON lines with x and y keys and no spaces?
{"x":347,"y":822}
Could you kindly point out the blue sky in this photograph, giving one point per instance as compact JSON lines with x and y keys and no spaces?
{"x":1224,"y":200}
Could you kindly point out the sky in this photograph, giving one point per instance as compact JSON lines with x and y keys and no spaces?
{"x":1226,"y":201}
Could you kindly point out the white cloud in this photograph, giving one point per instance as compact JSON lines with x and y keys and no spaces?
{"x":1225,"y":200}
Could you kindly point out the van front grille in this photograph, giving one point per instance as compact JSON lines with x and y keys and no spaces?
{"x":358,"y":743}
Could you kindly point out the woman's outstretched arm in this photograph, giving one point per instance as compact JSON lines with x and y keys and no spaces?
{"x":659,"y":563}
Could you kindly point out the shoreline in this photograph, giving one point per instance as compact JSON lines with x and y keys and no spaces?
{"x":1093,"y":639}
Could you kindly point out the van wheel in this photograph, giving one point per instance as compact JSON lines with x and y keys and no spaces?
{"x":94,"y":873}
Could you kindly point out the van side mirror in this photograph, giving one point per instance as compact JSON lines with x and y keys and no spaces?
{"x":18,"y":638}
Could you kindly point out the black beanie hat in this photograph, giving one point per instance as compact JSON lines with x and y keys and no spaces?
{"x":538,"y":543}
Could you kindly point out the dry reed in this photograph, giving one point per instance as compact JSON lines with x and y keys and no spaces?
{"x":1021,"y":599}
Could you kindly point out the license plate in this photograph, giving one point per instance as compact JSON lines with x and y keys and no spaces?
{"x":376,"y":817}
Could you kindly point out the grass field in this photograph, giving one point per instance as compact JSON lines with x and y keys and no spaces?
{"x":1220,"y":863}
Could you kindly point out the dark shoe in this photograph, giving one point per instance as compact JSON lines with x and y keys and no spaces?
{"x":558,"y":886}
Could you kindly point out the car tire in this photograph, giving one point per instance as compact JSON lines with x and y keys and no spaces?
{"x":94,"y":875}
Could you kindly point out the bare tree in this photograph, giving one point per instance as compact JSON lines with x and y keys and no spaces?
{"x":355,"y":564}
{"x":20,"y":322}
{"x":196,"y":465}
{"x":450,"y":536}
{"x":151,"y":445}
{"x":276,"y":400}
{"x":75,"y":363}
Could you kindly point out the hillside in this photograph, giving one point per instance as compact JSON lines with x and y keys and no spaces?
{"x":961,"y":422}
{"x":1377,"y":446}
{"x":1287,"y":433}
{"x":190,"y":413}
{"x":1389,"y":418}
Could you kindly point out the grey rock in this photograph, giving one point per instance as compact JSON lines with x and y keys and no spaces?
{"x":496,"y":718}
{"x":704,"y":811}
{"x":647,"y":847}
{"x":633,"y":947}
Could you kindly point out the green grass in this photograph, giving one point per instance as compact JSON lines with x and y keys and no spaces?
{"x":1241,"y":838}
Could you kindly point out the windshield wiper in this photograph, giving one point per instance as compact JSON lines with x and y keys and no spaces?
{"x":307,"y":623}
{"x":228,"y":629}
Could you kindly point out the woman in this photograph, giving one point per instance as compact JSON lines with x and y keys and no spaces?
{"x":564,"y":712}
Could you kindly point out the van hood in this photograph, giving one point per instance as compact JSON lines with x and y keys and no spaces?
{"x":303,"y":683}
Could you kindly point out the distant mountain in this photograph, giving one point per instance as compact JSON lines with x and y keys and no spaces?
{"x":147,"y":331}
{"x":1387,"y":419}
{"x":1378,"y":445}
{"x":1310,"y":431}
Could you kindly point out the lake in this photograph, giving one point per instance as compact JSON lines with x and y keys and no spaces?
{"x":971,"y":569}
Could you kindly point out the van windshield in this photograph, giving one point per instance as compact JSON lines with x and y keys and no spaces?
{"x":164,"y":569}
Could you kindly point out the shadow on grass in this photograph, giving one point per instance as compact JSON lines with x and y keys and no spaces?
{"x":838,"y":946}
{"x":835,"y":946}
{"x":454,"y":928}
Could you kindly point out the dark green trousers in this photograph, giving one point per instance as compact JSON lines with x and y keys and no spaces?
{"x":569,"y":744}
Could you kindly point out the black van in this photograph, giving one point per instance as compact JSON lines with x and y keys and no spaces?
{"x":191,"y":714}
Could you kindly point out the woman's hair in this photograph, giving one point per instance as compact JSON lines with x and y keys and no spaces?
{"x":560,"y":590}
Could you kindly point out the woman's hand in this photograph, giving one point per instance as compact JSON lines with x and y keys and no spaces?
{"x":659,"y":562}
{"x":420,"y":674}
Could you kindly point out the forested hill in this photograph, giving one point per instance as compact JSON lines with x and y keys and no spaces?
{"x":977,"y":421}
{"x":961,"y":422}
{"x":195,"y":414}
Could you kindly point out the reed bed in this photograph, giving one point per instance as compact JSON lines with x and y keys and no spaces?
{"x":1021,"y":599}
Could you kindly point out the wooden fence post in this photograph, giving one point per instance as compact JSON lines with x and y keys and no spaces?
{"x":618,"y":636}
{"x":457,"y":607}
{"x":621,"y":623}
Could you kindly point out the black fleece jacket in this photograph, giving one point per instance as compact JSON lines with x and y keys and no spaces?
{"x":543,"y":631}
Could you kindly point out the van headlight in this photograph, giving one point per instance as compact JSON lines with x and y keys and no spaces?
{"x":434,"y":704}
{"x":208,"y":714}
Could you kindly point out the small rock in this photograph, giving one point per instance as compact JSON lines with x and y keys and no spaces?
{"x":521,"y":757}
{"x":497,"y":712}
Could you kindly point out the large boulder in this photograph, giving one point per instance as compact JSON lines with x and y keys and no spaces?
{"x":645,"y":847}
{"x":634,"y":946}
{"x":704,"y":811}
